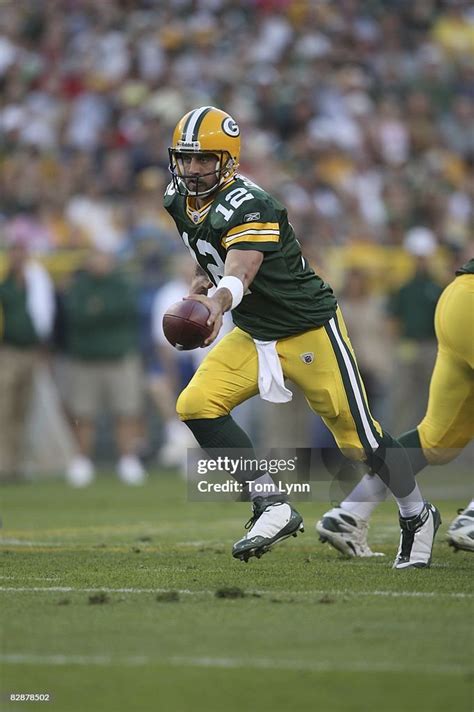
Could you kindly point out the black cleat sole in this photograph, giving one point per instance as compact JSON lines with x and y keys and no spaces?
{"x":258,"y":552}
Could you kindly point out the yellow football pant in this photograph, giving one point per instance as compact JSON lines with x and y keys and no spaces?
{"x":320,"y":361}
{"x":448,"y":424}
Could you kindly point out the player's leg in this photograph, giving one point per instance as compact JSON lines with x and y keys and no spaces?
{"x":334,"y":389}
{"x":324,"y":389}
{"x":446,"y":427}
{"x":308,"y":360}
{"x":227,"y":377}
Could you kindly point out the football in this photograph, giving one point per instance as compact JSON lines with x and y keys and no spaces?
{"x":185,"y":324}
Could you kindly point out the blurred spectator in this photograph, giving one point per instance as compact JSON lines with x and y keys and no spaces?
{"x":26,"y":321}
{"x":101,"y":326}
{"x":171,"y":370}
{"x":348,"y":106}
{"x":412,"y":310}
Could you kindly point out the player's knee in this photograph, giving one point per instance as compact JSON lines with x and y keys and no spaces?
{"x":438,"y":447}
{"x":194,"y":403}
{"x":190,"y":403}
{"x":356,"y":454}
{"x":439,"y":455}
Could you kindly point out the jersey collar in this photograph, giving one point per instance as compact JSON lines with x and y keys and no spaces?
{"x":197,"y":215}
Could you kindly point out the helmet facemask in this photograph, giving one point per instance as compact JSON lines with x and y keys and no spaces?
{"x":224,"y":169}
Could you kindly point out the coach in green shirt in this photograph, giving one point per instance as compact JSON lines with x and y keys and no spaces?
{"x":101,"y":323}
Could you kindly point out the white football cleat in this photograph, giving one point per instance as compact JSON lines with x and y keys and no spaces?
{"x":272,"y":521}
{"x":417,"y":538}
{"x":80,"y":472}
{"x":346,"y":532}
{"x":460,"y":534}
{"x":131,"y":471}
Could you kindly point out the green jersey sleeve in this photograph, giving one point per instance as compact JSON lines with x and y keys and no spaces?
{"x":249,"y":219}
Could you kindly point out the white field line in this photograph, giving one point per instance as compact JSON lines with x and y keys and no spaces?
{"x":26,"y":542}
{"x":31,"y":578}
{"x":232,"y":663}
{"x":206,"y":542}
{"x":91,"y":545}
{"x":208,"y":592}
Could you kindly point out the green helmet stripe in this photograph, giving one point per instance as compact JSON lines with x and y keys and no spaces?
{"x":193,"y":124}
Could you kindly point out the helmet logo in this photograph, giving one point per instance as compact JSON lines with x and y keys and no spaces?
{"x":230,"y":127}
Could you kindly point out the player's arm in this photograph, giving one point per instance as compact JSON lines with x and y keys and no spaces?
{"x":201,"y":282}
{"x":240,"y":268}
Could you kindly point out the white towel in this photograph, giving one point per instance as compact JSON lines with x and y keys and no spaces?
{"x":39,"y":299}
{"x":271,"y":382}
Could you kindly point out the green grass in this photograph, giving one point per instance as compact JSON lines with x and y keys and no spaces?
{"x":313,"y":632}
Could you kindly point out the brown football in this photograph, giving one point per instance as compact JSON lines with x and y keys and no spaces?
{"x":185,"y":324}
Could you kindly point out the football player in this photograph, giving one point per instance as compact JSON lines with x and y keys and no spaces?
{"x":287,"y":325}
{"x":445,"y":430}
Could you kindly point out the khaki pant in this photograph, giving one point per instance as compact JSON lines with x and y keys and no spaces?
{"x":117,"y":384}
{"x":16,"y":378}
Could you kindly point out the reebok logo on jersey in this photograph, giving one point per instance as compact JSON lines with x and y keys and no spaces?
{"x":308,"y":357}
{"x":250,"y":217}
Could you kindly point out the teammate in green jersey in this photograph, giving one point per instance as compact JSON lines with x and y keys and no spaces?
{"x":288,"y":325}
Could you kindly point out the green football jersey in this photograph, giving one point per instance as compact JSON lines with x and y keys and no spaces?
{"x":468,"y":268}
{"x":286,"y":297}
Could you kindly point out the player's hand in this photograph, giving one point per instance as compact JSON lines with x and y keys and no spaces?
{"x":217,"y":305}
{"x":200,"y":285}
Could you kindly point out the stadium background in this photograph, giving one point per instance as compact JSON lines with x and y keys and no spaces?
{"x":358,"y":115}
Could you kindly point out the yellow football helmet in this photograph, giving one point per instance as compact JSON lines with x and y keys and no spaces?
{"x":205,"y":130}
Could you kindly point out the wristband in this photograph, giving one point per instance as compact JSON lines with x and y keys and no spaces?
{"x":235,"y":287}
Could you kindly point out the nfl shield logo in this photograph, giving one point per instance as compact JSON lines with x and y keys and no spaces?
{"x":308,"y":357}
{"x":195,"y":217}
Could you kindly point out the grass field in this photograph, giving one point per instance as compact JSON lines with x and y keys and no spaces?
{"x":108,"y":603}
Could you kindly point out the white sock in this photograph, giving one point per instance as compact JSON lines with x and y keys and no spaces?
{"x":470,"y":506}
{"x":412,"y":504}
{"x":265,"y":487}
{"x":365,"y":496}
